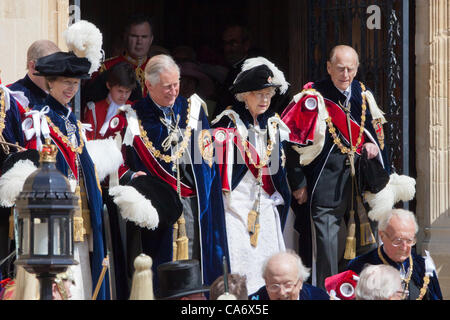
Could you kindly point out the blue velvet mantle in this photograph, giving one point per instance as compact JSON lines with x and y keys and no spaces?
{"x":207,"y":187}
{"x":92,"y":189}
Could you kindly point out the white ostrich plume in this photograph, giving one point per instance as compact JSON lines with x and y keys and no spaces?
{"x":278,"y":75}
{"x":85,"y":40}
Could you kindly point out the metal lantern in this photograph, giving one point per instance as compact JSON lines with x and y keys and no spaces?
{"x":45,"y":222}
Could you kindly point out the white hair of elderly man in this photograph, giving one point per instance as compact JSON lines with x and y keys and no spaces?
{"x":379,"y":282}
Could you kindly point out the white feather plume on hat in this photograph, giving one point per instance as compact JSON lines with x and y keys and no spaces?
{"x":278,"y":76}
{"x":85,"y":40}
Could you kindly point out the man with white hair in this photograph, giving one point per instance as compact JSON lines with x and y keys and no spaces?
{"x":379,"y":282}
{"x":397,"y":230}
{"x":166,"y":137}
{"x":285,"y":277}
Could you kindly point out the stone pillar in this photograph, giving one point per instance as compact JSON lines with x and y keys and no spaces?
{"x":433,"y":133}
{"x":21,"y":23}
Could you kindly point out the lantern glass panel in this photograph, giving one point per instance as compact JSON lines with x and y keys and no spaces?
{"x":60,"y":236}
{"x":70,"y":222}
{"x":24,"y":236}
{"x":40,"y":236}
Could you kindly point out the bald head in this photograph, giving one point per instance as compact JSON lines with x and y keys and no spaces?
{"x":342,"y":66}
{"x":40,"y":48}
{"x":284,"y":274}
{"x":285,"y":262}
{"x":343,"y":50}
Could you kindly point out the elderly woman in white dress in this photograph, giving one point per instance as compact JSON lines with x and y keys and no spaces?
{"x":248,"y":141}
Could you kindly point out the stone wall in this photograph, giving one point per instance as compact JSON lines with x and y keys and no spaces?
{"x":21,"y":23}
{"x":433,"y":133}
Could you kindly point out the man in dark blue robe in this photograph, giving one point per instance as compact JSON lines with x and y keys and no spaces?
{"x":398,"y":230}
{"x":10,"y":132}
{"x":161,"y":133}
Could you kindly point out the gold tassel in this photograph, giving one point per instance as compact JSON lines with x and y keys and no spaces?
{"x":251,"y":221}
{"x":254,"y":236}
{"x":182,"y":240}
{"x":85,"y":212}
{"x":11,"y":225}
{"x":182,"y":248}
{"x":350,"y":244}
{"x":366,"y":231}
{"x":78,"y":234}
{"x":252,"y":217}
{"x":78,"y":228}
{"x":175,"y":237}
{"x":366,"y":234}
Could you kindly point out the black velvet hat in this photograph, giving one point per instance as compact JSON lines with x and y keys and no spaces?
{"x":372,"y":176}
{"x":64,"y":64}
{"x":254,"y":79}
{"x":162,"y":196}
{"x":179,"y":278}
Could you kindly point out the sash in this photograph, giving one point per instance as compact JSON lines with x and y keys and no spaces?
{"x":339,"y":120}
{"x":156,"y":169}
{"x":266,"y":178}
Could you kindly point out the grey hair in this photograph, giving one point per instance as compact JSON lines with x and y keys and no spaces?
{"x":402,"y":214}
{"x":241,"y":95}
{"x":156,"y":65}
{"x":378,"y":282}
{"x":303,"y":272}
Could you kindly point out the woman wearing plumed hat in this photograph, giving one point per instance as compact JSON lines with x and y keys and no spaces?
{"x":54,"y":120}
{"x":248,"y":142}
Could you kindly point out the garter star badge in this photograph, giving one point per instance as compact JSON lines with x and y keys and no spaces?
{"x":206,"y":146}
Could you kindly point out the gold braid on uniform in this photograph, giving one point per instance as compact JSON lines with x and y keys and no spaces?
{"x":179,"y":153}
{"x":337,"y":140}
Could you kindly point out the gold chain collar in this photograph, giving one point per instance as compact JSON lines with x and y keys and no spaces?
{"x":265,"y":159}
{"x":336,"y":138}
{"x":426,"y":279}
{"x":180,"y":151}
{"x":2,"y":111}
{"x":65,"y":139}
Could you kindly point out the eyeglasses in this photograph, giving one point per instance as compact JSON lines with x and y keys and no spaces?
{"x":263,"y":96}
{"x":402,"y":294}
{"x":276,"y":287}
{"x":396,"y":242}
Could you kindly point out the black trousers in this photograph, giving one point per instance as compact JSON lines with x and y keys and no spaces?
{"x":330,"y":207}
